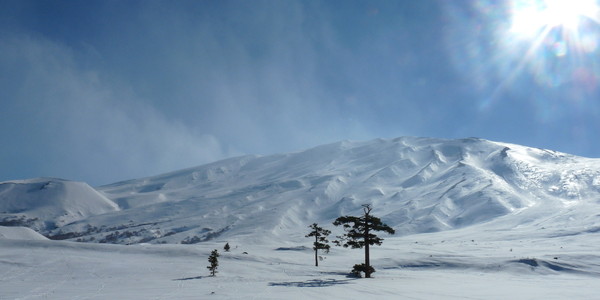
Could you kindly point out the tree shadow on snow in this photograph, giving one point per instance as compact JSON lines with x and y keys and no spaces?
{"x":347,"y":274}
{"x":311,"y":283}
{"x":189,"y":278}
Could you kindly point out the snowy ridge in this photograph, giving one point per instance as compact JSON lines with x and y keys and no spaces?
{"x":415,"y":184}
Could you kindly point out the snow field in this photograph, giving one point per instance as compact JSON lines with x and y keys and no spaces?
{"x":460,"y":264}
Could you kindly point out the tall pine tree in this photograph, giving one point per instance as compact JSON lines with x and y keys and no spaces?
{"x":213,"y":260}
{"x":321,"y":241}
{"x":359,"y":234}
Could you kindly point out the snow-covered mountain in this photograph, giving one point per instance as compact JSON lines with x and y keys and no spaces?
{"x":415,"y":185}
{"x":474,"y":219}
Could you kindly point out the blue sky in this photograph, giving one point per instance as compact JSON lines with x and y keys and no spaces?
{"x":102,"y":91}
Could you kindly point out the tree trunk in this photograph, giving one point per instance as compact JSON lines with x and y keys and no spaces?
{"x":367,"y":258}
{"x":316,"y":251}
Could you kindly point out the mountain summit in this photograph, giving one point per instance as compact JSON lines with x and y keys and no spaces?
{"x":415,"y":185}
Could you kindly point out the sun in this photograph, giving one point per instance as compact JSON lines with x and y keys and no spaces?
{"x":556,"y":36}
{"x":532,"y":17}
{"x":529,"y":49}
{"x":551,"y":43}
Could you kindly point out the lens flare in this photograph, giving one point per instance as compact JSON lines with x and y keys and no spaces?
{"x":558,"y":37}
{"x":528,"y":48}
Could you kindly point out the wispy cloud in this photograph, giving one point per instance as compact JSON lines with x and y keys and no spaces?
{"x":168,"y":87}
{"x":70,"y":123}
{"x":110,"y":90}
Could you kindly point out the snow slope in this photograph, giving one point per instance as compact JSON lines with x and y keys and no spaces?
{"x":415,"y":184}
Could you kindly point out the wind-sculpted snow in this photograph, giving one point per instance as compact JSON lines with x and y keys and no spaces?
{"x":415,"y":184}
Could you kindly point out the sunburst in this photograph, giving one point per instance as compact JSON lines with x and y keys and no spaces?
{"x":552,"y":40}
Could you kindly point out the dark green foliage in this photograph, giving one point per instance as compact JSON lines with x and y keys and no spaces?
{"x":226,"y":248}
{"x":362,"y":268}
{"x":213,"y":260}
{"x":359,"y":234}
{"x":321,"y":241}
{"x":358,"y":230}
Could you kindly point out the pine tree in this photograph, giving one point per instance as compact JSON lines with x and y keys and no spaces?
{"x":321,"y":241}
{"x":226,"y":248}
{"x":213,"y":259}
{"x":359,"y":234}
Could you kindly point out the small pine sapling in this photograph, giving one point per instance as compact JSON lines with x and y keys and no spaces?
{"x":213,"y":260}
{"x":226,"y":248}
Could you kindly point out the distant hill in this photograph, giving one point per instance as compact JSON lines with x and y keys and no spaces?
{"x":19,"y":233}
{"x":45,"y":204}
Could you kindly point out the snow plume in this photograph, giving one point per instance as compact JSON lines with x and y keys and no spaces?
{"x":157,"y":88}
{"x":76,"y":115}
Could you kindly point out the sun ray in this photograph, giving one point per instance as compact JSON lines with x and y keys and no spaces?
{"x":521,"y":63}
{"x":522,"y":46}
{"x":559,"y":37}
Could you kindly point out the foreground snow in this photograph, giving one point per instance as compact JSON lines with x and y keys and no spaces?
{"x":462,"y":264}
